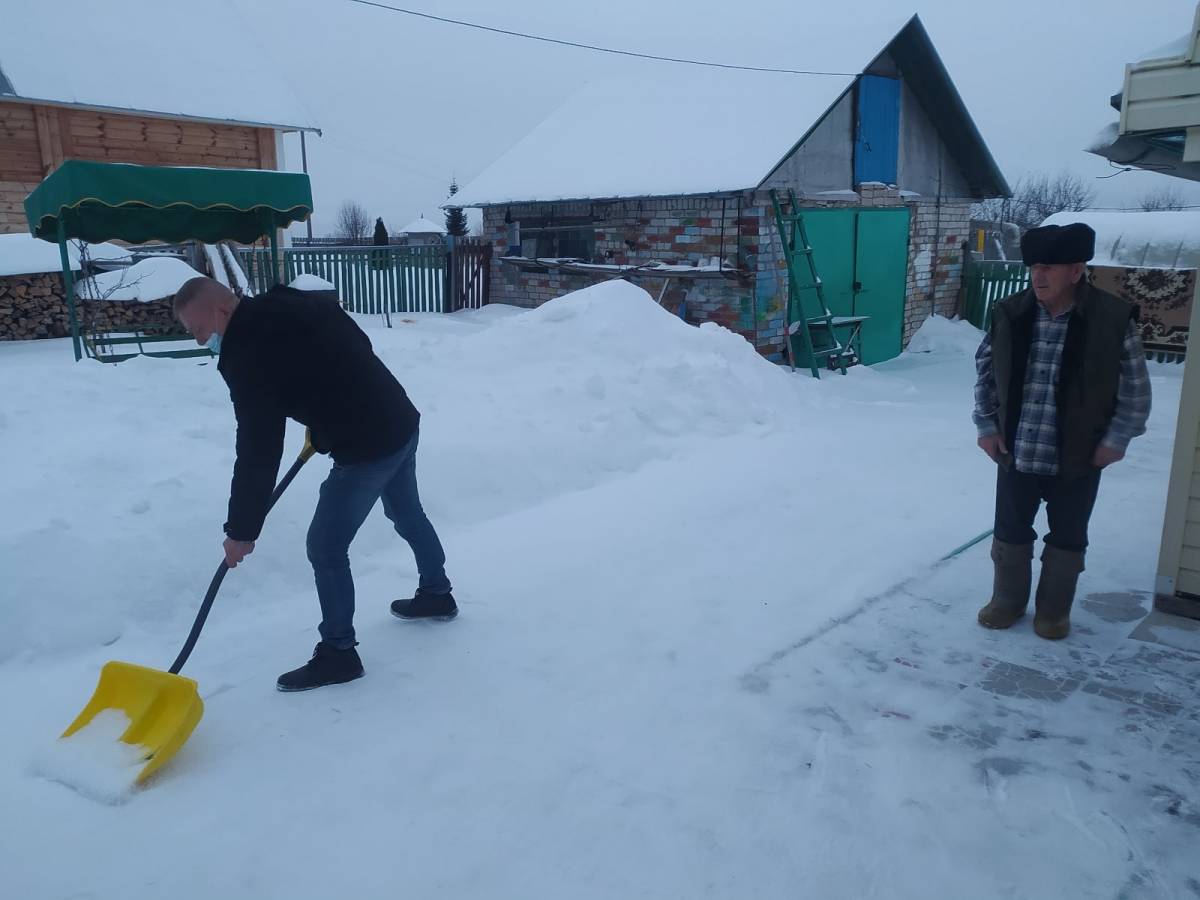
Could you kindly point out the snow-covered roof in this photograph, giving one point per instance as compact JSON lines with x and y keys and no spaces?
{"x":1180,"y":47}
{"x":173,"y":60}
{"x":23,"y":254}
{"x":710,"y":131}
{"x":701,"y":133}
{"x":704,"y":131}
{"x":1168,"y":239}
{"x":422,"y":225}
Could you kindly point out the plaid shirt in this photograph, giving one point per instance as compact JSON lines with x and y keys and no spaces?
{"x":1036,"y":444}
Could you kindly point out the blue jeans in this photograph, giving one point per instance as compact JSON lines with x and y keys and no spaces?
{"x":347,"y":497}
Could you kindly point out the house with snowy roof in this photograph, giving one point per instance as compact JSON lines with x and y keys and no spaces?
{"x":80,"y":82}
{"x":422,"y":232}
{"x":668,"y":183}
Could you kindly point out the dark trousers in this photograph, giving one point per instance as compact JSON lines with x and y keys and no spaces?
{"x":1069,"y":504}
{"x":347,"y":496}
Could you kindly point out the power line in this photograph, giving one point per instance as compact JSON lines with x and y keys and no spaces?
{"x":563,"y":43}
{"x":388,"y":159}
{"x":1135,"y":209}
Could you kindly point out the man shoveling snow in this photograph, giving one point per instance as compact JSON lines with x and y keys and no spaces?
{"x":287,"y":354}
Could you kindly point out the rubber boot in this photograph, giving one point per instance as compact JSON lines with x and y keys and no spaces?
{"x":1056,"y":592}
{"x":1010,"y":590}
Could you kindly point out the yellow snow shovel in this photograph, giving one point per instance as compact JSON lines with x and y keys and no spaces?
{"x":163,"y":707}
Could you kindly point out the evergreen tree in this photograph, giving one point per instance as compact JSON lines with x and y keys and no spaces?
{"x":456,"y":219}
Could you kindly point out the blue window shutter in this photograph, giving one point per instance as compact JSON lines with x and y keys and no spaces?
{"x":877,"y":136}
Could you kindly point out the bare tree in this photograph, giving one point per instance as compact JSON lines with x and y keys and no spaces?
{"x":353,"y":223}
{"x":89,"y":288}
{"x":1167,"y":197}
{"x":1035,"y":197}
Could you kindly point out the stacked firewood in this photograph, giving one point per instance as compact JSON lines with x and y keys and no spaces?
{"x":32,"y":306}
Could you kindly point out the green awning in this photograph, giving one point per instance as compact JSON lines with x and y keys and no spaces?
{"x":98,"y":201}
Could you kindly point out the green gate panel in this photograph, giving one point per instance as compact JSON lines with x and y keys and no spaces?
{"x":831,"y":235}
{"x":880,"y":279}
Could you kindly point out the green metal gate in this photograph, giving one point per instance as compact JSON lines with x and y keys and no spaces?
{"x":881,"y":280}
{"x":985,"y":282}
{"x":862,"y":256}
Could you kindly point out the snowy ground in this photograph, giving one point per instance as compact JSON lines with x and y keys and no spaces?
{"x":705,"y":650}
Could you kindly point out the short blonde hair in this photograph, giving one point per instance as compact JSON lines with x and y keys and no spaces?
{"x":194,"y":288}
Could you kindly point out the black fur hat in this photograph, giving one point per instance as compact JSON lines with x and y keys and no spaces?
{"x":1058,"y":244}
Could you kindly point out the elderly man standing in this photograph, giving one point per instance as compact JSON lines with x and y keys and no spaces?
{"x":289,"y":354}
{"x":1062,"y":388}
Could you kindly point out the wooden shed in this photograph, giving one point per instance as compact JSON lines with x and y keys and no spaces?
{"x":116,"y":88}
{"x":669,"y":182}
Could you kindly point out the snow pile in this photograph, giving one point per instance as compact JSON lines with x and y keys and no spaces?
{"x":605,"y":378}
{"x":1163,"y":239}
{"x":23,"y":254}
{"x":309,"y":282}
{"x":94,"y":760}
{"x":643,"y":369}
{"x":517,"y":409}
{"x":949,"y":336}
{"x":150,"y":279}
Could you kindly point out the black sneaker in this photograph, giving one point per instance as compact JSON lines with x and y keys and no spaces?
{"x":329,"y":665}
{"x":438,"y":607}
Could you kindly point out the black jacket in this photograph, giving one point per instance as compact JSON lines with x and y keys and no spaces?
{"x":290,"y":354}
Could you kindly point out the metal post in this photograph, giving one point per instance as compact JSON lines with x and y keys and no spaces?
{"x":304,"y":166}
{"x":937,"y":240}
{"x":450,"y":301}
{"x":275,"y":276}
{"x":721,"y":258}
{"x":69,"y":287}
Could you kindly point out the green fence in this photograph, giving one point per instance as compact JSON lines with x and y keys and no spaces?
{"x":371,"y":280}
{"x":986,"y":282}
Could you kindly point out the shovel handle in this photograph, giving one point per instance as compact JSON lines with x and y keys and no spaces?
{"x":215,"y":585}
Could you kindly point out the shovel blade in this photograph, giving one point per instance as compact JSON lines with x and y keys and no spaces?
{"x":162,"y":709}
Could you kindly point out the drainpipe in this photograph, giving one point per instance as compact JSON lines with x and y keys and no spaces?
{"x":304,"y":166}
{"x":937,"y":237}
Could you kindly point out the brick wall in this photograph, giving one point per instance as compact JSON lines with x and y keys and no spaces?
{"x":683,"y":230}
{"x":935,"y":260}
{"x":689,"y":231}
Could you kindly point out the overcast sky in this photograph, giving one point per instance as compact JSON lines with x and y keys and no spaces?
{"x":406,"y":103}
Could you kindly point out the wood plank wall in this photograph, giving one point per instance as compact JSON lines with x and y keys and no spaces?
{"x":35,"y":139}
